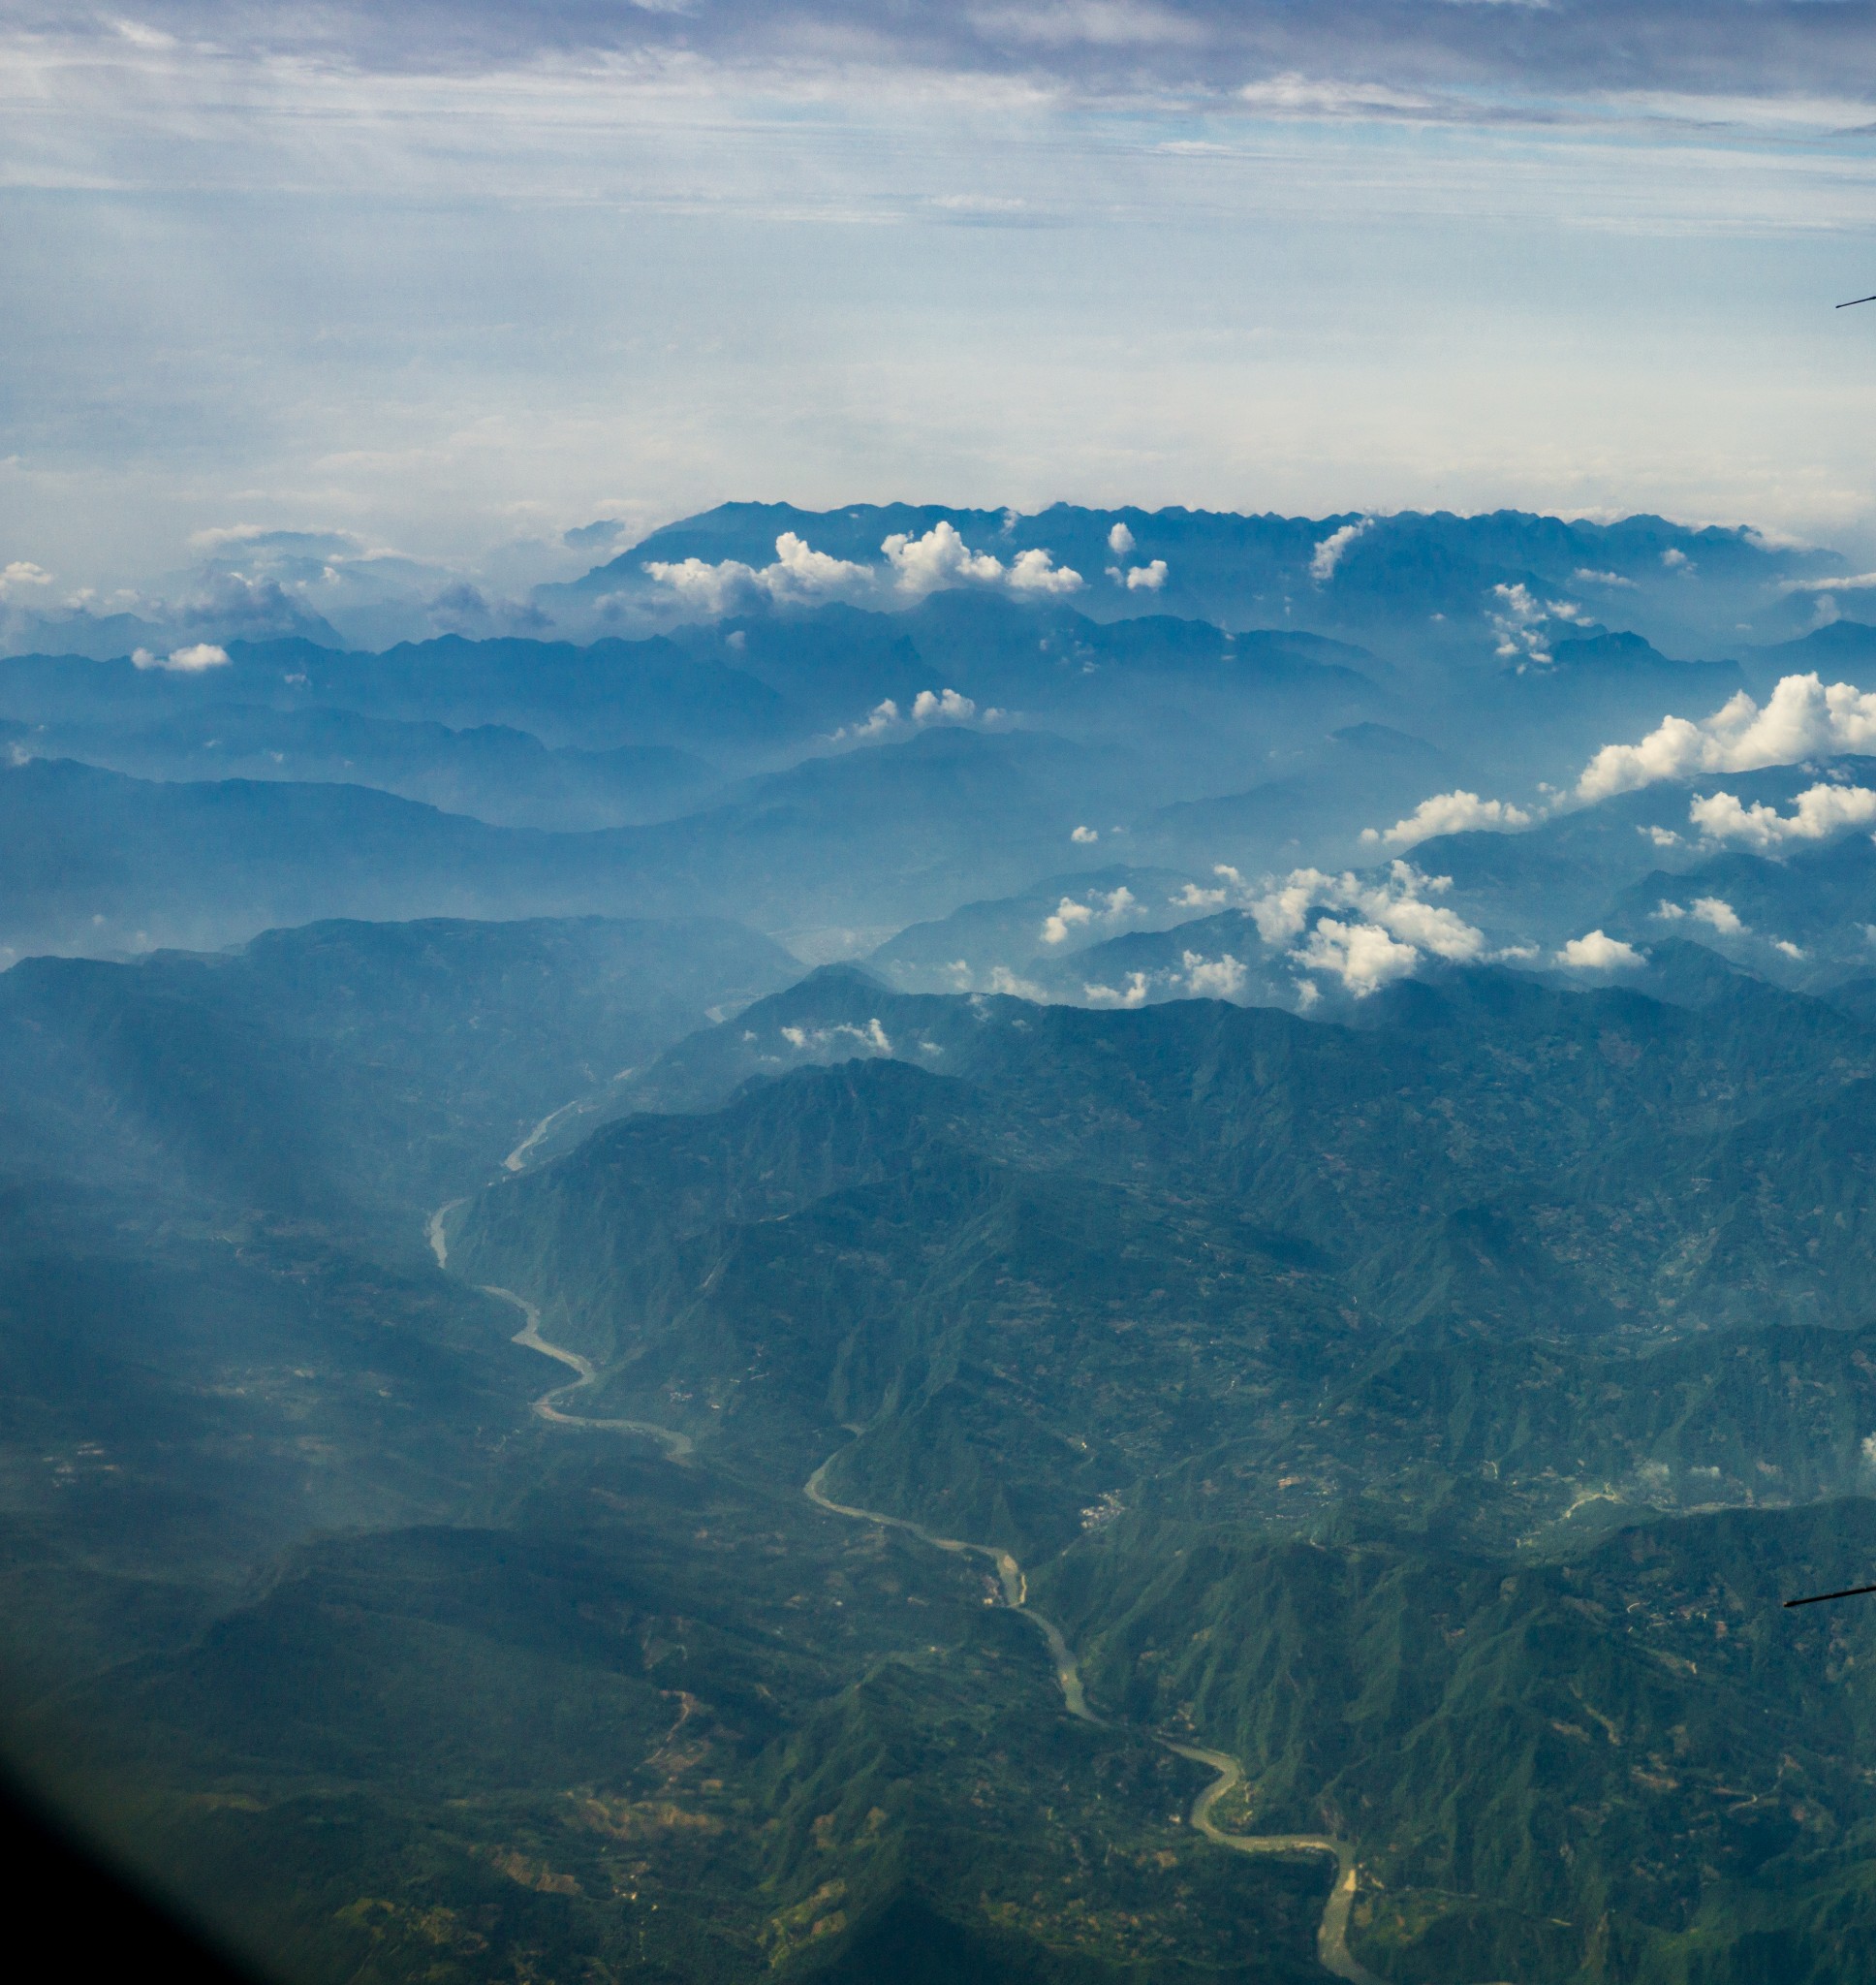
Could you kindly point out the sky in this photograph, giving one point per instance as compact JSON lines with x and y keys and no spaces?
{"x":453,"y":278}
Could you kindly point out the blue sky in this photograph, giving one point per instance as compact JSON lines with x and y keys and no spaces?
{"x":452,"y":279}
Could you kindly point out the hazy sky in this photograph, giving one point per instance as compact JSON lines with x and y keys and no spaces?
{"x":446,"y":276}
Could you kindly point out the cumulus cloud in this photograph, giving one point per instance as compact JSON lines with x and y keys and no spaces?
{"x":928,"y":706}
{"x":1399,"y":900}
{"x":1705,"y":909}
{"x":884,"y":716}
{"x":1586,"y":575}
{"x":1518,"y":620}
{"x":1146,"y":578}
{"x":1085,"y":836}
{"x":1455,"y":812}
{"x":1365,"y":957}
{"x":1035,"y":571}
{"x":1120,"y":541}
{"x":708,"y":589}
{"x":22,"y":572}
{"x":801,"y":573}
{"x":1392,"y":926}
{"x":942,"y":706}
{"x":1330,"y":551}
{"x":1819,"y":813}
{"x":1800,"y":719}
{"x":939,"y":558}
{"x":1132,"y":993}
{"x":800,"y":576}
{"x":183,"y":661}
{"x":1110,"y":910}
{"x":1217,"y":978}
{"x":1598,"y":952}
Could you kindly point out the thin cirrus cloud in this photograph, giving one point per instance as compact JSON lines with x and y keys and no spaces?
{"x":1399,"y":58}
{"x":481,"y":255}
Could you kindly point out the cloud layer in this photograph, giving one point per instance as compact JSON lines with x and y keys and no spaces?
{"x":1394,"y":58}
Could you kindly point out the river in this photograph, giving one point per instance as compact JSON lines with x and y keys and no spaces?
{"x":1331,"y":1935}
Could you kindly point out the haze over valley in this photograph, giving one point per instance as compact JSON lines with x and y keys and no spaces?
{"x":938,"y":992}
{"x":900,"y":1256}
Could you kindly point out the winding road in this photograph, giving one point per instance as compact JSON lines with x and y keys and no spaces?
{"x":1331,"y":1935}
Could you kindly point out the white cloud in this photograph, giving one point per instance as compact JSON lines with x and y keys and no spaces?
{"x":1394,"y":923}
{"x":1676,"y":560}
{"x":183,"y":661}
{"x":1717,"y":911}
{"x":946,"y":706}
{"x":1146,"y":578}
{"x":1085,"y":836}
{"x":706,"y":588}
{"x":881,"y":718}
{"x":1120,"y":541}
{"x":1518,"y":620}
{"x":1330,"y":551}
{"x":872,"y":1035}
{"x":1133,"y":994}
{"x":939,"y":558}
{"x":1294,"y":95}
{"x":1112,"y":909}
{"x":800,"y":576}
{"x":801,"y":573}
{"x":1067,"y":915}
{"x":1800,"y":718}
{"x":1598,"y":952}
{"x":1706,"y":909}
{"x":1442,"y":932}
{"x":1585,"y":576}
{"x":1363,"y":956}
{"x":22,"y":572}
{"x":1820,"y":812}
{"x":1455,"y":812}
{"x":1786,"y":945}
{"x":1003,"y":980}
{"x":1035,"y":571}
{"x":1850,"y":583}
{"x":1218,"y":978}
{"x":928,"y":706}
{"x":1397,"y":904}
{"x":1193,"y":898}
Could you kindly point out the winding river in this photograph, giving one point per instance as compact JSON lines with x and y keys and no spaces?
{"x":1331,"y":1935}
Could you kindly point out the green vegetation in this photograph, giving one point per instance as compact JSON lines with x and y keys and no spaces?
{"x":1430,"y":1414}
